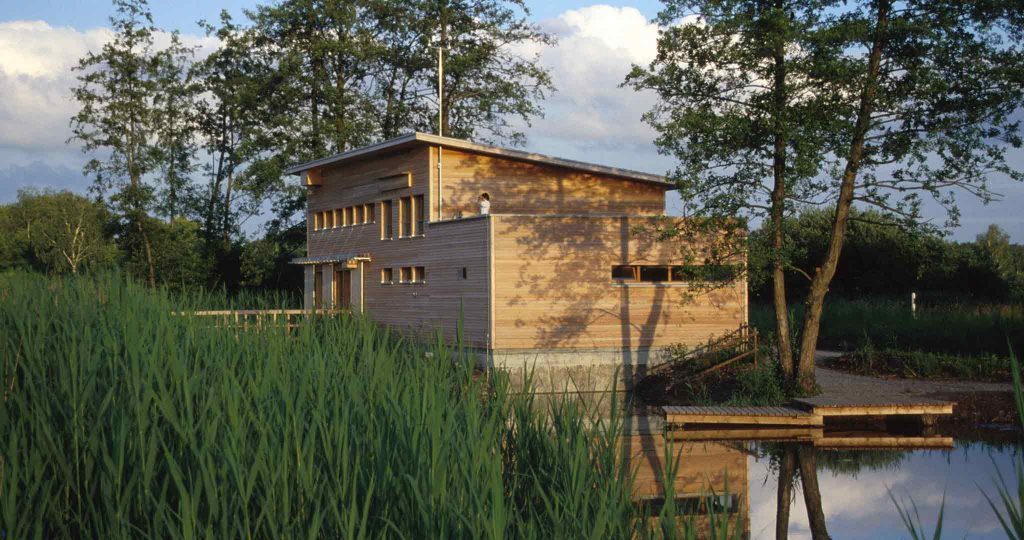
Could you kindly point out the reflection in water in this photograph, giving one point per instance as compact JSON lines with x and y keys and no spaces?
{"x":795,"y":490}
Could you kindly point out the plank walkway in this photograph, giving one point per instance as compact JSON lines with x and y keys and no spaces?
{"x":867,"y":405}
{"x":807,"y":411}
{"x":756,"y":416}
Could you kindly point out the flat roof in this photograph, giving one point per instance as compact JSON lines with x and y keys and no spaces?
{"x":510,"y":153}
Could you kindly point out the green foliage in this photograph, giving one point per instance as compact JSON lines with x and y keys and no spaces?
{"x":867,"y":360}
{"x":1010,"y":511}
{"x":912,"y":518}
{"x":55,"y":232}
{"x":981,"y":330}
{"x":881,"y":258}
{"x":122,"y":419}
{"x":761,"y":385}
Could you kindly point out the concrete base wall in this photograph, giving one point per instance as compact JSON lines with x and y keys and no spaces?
{"x":574,"y":370}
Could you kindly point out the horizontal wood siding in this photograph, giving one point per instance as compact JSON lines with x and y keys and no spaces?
{"x":443,"y":250}
{"x":553,"y":288}
{"x":518,"y":187}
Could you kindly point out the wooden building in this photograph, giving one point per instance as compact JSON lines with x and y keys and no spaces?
{"x":556,"y":274}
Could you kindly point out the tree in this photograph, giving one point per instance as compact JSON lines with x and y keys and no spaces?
{"x":910,"y":101}
{"x":59,"y":232}
{"x":486,"y":81}
{"x":929,"y":89}
{"x":739,"y":112}
{"x":118,"y":119}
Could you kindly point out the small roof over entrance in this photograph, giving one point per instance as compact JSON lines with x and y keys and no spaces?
{"x":459,"y":144}
{"x":330,"y":259}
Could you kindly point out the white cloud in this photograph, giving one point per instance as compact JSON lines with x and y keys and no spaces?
{"x":36,"y":80}
{"x":596,"y":47}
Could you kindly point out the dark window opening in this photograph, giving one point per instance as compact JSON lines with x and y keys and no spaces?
{"x":654,"y":273}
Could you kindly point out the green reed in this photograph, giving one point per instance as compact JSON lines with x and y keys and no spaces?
{"x":123,"y":420}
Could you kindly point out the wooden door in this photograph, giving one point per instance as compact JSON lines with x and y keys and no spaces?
{"x":318,"y":288}
{"x":343,"y":289}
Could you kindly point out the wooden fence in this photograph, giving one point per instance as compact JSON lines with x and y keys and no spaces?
{"x":246,"y":319}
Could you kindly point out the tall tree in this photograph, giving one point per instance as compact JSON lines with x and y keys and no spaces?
{"x":739,"y":113}
{"x":929,"y":90}
{"x":487,"y":80}
{"x":118,"y":122}
{"x":901,"y":101}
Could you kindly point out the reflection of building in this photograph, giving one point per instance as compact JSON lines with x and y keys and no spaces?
{"x":555,"y":274}
{"x":706,"y":473}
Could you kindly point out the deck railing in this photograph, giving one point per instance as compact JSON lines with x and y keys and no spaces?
{"x":246,"y":319}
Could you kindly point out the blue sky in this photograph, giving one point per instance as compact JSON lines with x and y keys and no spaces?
{"x":590,"y":118}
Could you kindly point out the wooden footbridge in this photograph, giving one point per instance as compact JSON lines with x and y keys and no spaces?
{"x":805,"y":420}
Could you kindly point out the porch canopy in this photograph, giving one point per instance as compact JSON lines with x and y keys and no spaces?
{"x":332,"y":259}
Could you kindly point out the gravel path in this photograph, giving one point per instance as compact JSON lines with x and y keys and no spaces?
{"x":832,"y":380}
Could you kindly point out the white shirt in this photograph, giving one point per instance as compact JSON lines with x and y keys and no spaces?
{"x":485,"y":207}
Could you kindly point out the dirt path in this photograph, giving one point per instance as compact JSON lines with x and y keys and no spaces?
{"x":832,"y":379}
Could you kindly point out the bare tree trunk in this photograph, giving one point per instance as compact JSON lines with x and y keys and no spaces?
{"x":226,"y":224}
{"x":823,"y":274}
{"x":149,"y":251}
{"x":785,"y":494}
{"x":812,"y":493}
{"x":778,"y":207}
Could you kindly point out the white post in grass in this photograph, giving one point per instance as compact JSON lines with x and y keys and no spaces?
{"x":913,"y":305}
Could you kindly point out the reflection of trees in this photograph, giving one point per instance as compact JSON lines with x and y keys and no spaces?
{"x":793,"y":457}
{"x":852,"y":462}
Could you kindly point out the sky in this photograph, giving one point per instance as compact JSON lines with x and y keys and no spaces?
{"x":589,"y":118}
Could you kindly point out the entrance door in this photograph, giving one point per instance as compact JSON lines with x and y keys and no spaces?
{"x":318,"y":288}
{"x":343,"y":289}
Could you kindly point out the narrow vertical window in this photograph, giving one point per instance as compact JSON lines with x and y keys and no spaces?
{"x":315,"y":218}
{"x":339,"y":217}
{"x":329,"y":219}
{"x":386,"y":226}
{"x":418,"y":215}
{"x":387,"y":275}
{"x":368,"y":210}
{"x":357,"y":215}
{"x":405,"y":216}
{"x":348,"y":216}
{"x":419,"y":274}
{"x":405,"y":275}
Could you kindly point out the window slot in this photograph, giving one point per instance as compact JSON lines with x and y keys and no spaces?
{"x":625,"y":273}
{"x":386,"y":226}
{"x":387,"y":276}
{"x":418,"y":214}
{"x":405,"y":217}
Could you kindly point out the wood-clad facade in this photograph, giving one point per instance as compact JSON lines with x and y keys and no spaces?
{"x":395,"y":232}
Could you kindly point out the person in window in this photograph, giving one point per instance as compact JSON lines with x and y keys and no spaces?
{"x":485,"y":204}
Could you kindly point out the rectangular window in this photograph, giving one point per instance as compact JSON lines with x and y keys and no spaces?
{"x":624,"y":273}
{"x":386,"y":226}
{"x":329,"y":219}
{"x":405,"y":217}
{"x":368,"y":212}
{"x":675,"y":274}
{"x":348,"y":216}
{"x":316,"y":221}
{"x":419,"y":274}
{"x":387,"y":275}
{"x":418,"y":215}
{"x":654,"y":273}
{"x":406,"y":274}
{"x":357,"y":213}
{"x":339,"y":217}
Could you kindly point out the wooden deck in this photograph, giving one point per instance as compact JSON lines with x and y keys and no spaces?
{"x":807,"y":411}
{"x":848,"y":405}
{"x":751,"y":416}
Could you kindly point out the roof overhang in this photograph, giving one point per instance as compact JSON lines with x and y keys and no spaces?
{"x":459,"y":144}
{"x":332,"y":259}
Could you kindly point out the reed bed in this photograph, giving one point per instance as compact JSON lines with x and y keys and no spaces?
{"x":122,"y":420}
{"x":956,"y":329}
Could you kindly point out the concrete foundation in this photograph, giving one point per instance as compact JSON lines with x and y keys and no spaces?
{"x":574,"y":370}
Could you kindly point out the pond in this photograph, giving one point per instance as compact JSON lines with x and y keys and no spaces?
{"x":847,"y":491}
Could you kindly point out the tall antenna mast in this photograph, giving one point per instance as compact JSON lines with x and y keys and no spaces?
{"x":440,"y":90}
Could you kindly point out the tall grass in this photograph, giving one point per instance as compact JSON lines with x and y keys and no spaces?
{"x":888,"y":324}
{"x":122,"y":420}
